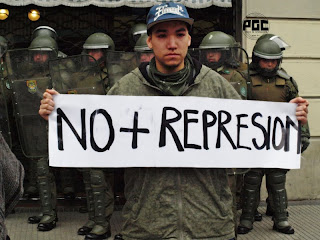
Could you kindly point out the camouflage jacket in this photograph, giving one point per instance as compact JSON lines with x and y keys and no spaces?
{"x":177,"y":203}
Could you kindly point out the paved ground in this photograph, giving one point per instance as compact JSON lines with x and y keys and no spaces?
{"x":304,"y":217}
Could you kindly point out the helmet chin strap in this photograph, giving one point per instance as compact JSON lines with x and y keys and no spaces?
{"x":264,"y":71}
{"x":216,"y":65}
{"x":268,"y":72}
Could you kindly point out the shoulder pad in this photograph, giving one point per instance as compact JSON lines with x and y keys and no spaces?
{"x":281,"y":73}
{"x":244,"y":73}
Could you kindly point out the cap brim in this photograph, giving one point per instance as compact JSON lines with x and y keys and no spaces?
{"x":187,"y":20}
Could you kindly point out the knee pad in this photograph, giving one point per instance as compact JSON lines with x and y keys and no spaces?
{"x":253,"y":178}
{"x":42,"y":167}
{"x":97,"y":177}
{"x":277,"y":177}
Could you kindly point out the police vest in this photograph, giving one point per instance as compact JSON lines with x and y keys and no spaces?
{"x":268,"y":89}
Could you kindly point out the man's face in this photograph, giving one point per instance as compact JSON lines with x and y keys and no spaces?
{"x":268,"y":63}
{"x":213,"y":56}
{"x":95,"y":53}
{"x":146,"y":57}
{"x":169,"y":41}
{"x":40,"y":57}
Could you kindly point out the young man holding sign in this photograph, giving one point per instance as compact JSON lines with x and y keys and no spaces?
{"x":174,"y":203}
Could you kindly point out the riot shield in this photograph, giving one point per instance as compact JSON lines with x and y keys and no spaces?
{"x":194,"y":53}
{"x":3,"y":49}
{"x":28,"y":73}
{"x":119,"y":64}
{"x":4,"y":118}
{"x":143,"y":57}
{"x":78,"y":74}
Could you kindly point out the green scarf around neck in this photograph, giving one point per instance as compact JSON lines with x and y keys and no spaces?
{"x":173,"y":84}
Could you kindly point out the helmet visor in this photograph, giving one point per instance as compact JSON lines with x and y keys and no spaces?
{"x":282,"y":44}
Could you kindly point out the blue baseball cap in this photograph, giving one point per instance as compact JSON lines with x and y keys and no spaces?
{"x":167,"y":12}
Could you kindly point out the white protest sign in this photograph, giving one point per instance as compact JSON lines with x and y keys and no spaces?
{"x":132,"y":131}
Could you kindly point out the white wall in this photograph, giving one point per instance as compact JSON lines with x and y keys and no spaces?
{"x":298,"y":23}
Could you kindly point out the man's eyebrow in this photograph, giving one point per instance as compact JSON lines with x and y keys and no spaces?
{"x":181,"y":30}
{"x":160,"y":30}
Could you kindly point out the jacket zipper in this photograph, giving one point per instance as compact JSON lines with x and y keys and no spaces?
{"x":180,"y":217}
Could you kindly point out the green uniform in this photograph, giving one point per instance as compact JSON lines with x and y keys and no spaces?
{"x":177,"y":203}
{"x":98,"y":186}
{"x":236,"y":79}
{"x":29,"y":77}
{"x":82,"y":75}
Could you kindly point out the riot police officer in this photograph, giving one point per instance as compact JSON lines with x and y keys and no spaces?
{"x":8,"y":126}
{"x":42,"y":49}
{"x":100,"y":199}
{"x":216,"y":53}
{"x":145,"y":54}
{"x":66,"y":174}
{"x":283,"y":46}
{"x":269,"y":83}
{"x":97,"y":45}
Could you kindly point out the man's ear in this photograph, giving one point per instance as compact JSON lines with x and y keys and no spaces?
{"x":149,"y":42}
{"x":189,"y":40}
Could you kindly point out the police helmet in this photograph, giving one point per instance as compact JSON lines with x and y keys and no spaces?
{"x":41,"y":46}
{"x":216,"y":39}
{"x":281,"y":43}
{"x":144,"y":53}
{"x":269,"y":50}
{"x":141,"y":44}
{"x":44,"y":43}
{"x":136,"y":31}
{"x":99,"y":41}
{"x":44,"y":31}
{"x":218,"y":42}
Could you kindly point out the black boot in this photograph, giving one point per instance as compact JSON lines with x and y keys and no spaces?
{"x":269,"y":211}
{"x":47,"y":225}
{"x":118,"y":237}
{"x":84,"y":230}
{"x":94,"y":236}
{"x":257,"y":216}
{"x":243,"y":230}
{"x":285,"y":230}
{"x":34,"y":219}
